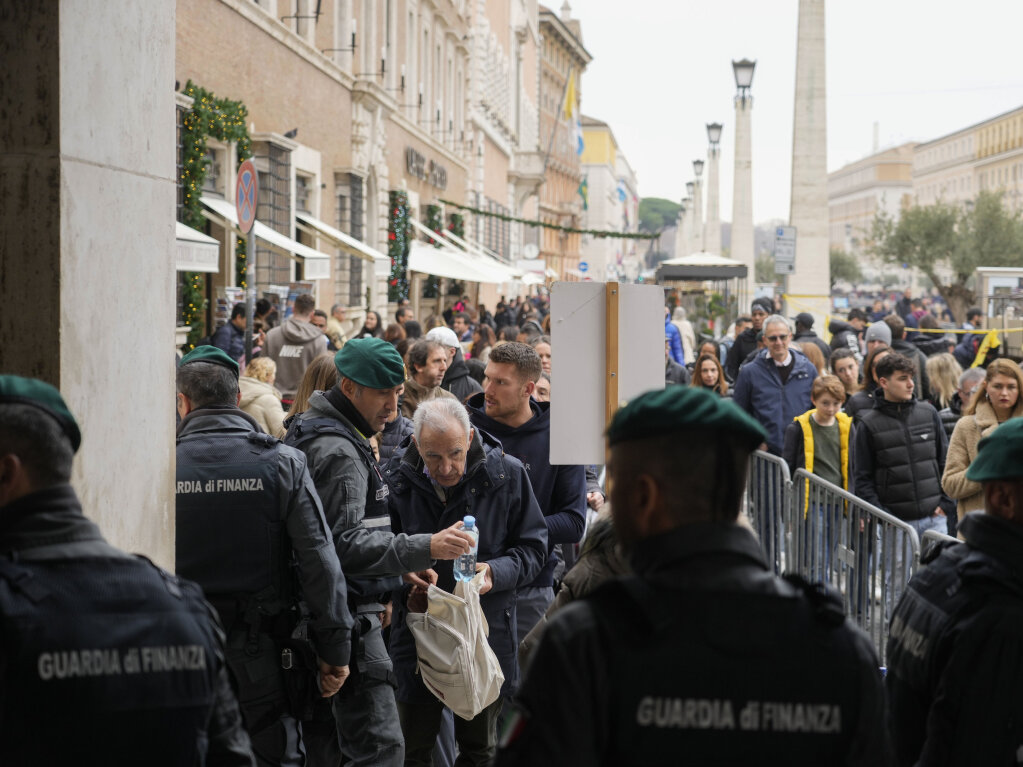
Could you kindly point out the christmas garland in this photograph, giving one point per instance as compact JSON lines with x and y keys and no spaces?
{"x":457,"y":225}
{"x":225,"y":121}
{"x":568,"y":229}
{"x":398,"y":235}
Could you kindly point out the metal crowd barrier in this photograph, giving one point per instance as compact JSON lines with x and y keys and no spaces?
{"x":818,"y":530}
{"x":768,"y":490}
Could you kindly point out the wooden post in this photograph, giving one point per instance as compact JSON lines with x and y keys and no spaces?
{"x":611,"y":352}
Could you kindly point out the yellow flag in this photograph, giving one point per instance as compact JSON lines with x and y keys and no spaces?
{"x":570,"y":96}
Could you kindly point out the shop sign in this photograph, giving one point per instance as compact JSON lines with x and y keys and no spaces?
{"x":429,"y":171}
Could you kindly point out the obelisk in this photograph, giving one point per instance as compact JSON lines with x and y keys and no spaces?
{"x":712,"y":229}
{"x":810,"y":286}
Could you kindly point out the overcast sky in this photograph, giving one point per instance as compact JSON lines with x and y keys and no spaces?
{"x":919,"y":68}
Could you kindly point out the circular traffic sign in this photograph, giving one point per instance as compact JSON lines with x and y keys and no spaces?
{"x":584,"y":267}
{"x":245,"y":195}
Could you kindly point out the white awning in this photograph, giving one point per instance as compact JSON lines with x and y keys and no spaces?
{"x":480,"y":253}
{"x":447,"y":262}
{"x":196,"y":252}
{"x":349,"y":244}
{"x":491,"y":269}
{"x":317,"y":264}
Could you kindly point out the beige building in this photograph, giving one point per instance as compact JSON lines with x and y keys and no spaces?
{"x":860,"y":190}
{"x":347,"y":101}
{"x":985,"y":156}
{"x":563,"y":61}
{"x":612,"y":205}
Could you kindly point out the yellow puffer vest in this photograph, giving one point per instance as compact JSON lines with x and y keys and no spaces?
{"x":844,"y":429}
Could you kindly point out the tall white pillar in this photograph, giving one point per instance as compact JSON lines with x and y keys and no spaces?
{"x":742,"y":200}
{"x":697,"y":207}
{"x":809,"y":207}
{"x":712,"y":229}
{"x":88,"y":183}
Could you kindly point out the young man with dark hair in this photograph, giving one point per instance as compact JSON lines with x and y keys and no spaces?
{"x":746,"y":341}
{"x":921,"y":382}
{"x":462,"y":326}
{"x":900,"y":448}
{"x":230,"y":337}
{"x":507,"y":411}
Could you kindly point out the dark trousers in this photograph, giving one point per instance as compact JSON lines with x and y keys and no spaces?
{"x":476,"y":739}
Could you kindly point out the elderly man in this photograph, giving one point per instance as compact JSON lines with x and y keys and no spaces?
{"x":704,"y":652}
{"x":427,"y":362}
{"x":456,"y":379}
{"x":334,"y":434}
{"x":956,"y":639}
{"x":448,"y":471}
{"x":83,"y":624}
{"x":775,"y":386}
{"x":246,"y":508}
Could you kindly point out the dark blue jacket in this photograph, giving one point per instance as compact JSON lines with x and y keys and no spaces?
{"x":675,"y":338}
{"x":513,"y":541}
{"x":560,"y":490}
{"x":230,"y":340}
{"x":759,"y":391}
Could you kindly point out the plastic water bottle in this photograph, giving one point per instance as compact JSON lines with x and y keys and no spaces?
{"x":465,"y":565}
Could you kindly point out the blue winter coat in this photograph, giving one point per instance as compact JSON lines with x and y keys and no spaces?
{"x":759,"y":391}
{"x":675,"y":339}
{"x":513,"y":541}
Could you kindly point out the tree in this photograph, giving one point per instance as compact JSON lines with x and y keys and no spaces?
{"x":844,"y":267}
{"x":655,"y":213}
{"x":942,"y":235}
{"x":763,"y":269}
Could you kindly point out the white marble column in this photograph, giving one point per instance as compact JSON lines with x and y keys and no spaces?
{"x":88,"y":183}
{"x":810,"y":284}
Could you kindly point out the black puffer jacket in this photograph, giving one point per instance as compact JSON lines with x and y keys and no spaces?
{"x":950,"y":415}
{"x":394,"y":434}
{"x":458,"y":381}
{"x":745,"y":344}
{"x":900,"y":457}
{"x":844,"y":336}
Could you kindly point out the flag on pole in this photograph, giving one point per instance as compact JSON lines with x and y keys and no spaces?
{"x":570,"y":97}
{"x":577,"y":135}
{"x":584,"y":192}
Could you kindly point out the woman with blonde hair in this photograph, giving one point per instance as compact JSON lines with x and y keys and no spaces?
{"x":996,"y":400}
{"x":319,"y":376}
{"x":259,"y":397}
{"x":943,"y":373}
{"x":814,"y":354}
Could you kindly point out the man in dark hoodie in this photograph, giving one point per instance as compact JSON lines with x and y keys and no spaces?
{"x":293,"y":345}
{"x":909,"y":350}
{"x":456,"y":379}
{"x":846,"y":335}
{"x":805,"y":332}
{"x":506,"y":410}
{"x":746,"y":341}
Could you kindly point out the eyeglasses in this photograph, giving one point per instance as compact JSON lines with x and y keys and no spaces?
{"x":776,"y":339}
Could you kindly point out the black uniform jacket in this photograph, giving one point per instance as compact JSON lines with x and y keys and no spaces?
{"x":706,"y":656}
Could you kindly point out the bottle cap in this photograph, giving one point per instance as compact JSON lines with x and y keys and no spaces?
{"x":469,"y":522}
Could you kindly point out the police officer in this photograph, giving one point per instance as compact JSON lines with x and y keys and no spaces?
{"x":956,"y":637}
{"x":251,"y":532}
{"x":104,"y":657}
{"x":704,"y":655}
{"x":333,"y":433}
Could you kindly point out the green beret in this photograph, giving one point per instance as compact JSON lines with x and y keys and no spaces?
{"x":371,"y":362}
{"x":682,"y":408}
{"x":999,"y":456}
{"x":40,"y":395}
{"x":212,"y":355}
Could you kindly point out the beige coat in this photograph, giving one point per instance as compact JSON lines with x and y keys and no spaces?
{"x":263,"y":402}
{"x":417,"y":393}
{"x":962,"y":449}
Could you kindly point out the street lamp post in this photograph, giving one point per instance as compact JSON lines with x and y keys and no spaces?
{"x":742,"y":200}
{"x":712,"y":230}
{"x":697,"y":207}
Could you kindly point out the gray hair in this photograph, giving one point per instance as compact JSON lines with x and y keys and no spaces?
{"x":679,"y":313}
{"x":438,"y":413}
{"x":971,"y":377}
{"x":777,"y":319}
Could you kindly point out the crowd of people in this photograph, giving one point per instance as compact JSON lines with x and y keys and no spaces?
{"x":320,"y":495}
